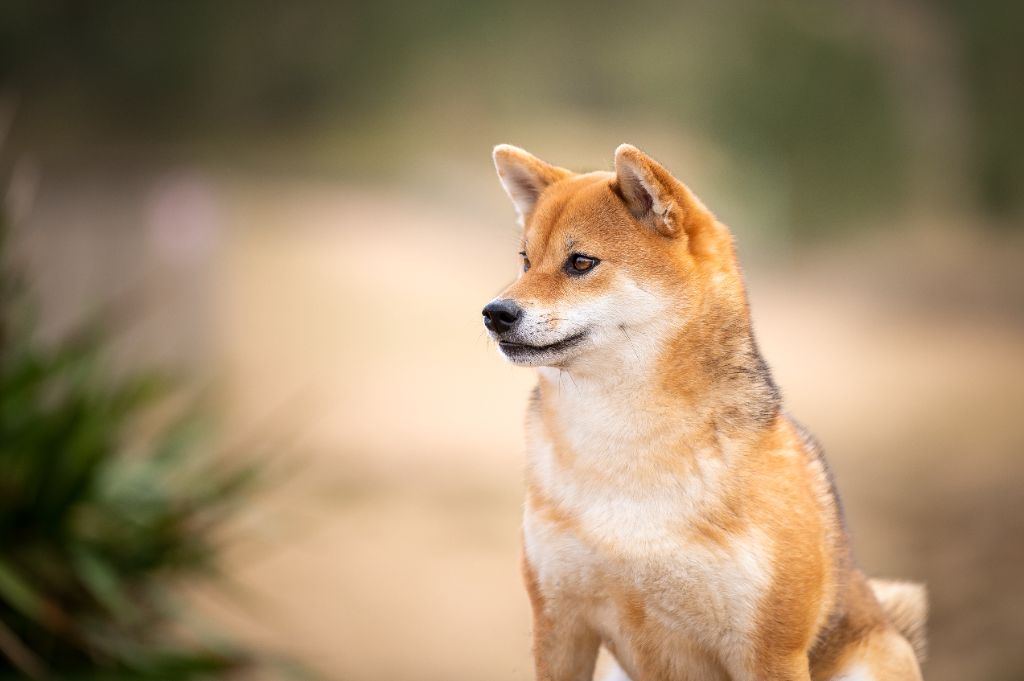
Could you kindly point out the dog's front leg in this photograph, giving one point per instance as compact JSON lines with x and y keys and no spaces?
{"x":564,"y":646}
{"x":788,"y":668}
{"x":564,"y":649}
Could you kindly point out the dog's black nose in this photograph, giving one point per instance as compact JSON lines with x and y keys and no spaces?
{"x":501,"y":315}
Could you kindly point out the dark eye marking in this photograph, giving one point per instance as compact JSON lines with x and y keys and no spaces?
{"x":526,"y":261}
{"x":579,"y":264}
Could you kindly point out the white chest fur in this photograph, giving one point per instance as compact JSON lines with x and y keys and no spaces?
{"x":626,"y":538}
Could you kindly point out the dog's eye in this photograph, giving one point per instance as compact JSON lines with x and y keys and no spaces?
{"x":526,"y":261}
{"x":578,"y":264}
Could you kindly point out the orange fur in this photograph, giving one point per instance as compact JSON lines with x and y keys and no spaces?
{"x":674,"y":512}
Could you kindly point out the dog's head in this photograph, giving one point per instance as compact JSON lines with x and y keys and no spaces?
{"x":609,"y":261}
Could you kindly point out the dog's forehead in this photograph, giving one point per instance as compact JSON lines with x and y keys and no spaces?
{"x":578,"y":207}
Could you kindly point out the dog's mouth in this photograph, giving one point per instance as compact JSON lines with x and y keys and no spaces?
{"x":514,"y":350}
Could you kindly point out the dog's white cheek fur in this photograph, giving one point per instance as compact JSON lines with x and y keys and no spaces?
{"x":625,"y":322}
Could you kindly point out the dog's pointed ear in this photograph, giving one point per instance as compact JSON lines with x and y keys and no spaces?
{"x":524,"y":177}
{"x":654,"y":197}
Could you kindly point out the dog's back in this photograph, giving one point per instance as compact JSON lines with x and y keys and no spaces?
{"x":674,"y":513}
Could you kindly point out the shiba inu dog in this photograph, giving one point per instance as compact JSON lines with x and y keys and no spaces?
{"x":675,"y":513}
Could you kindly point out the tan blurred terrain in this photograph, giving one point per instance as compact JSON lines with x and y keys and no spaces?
{"x":348,"y":319}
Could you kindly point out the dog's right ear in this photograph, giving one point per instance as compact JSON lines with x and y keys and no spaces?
{"x":524,"y":177}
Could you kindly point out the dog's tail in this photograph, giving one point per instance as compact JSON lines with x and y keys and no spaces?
{"x":906,"y":605}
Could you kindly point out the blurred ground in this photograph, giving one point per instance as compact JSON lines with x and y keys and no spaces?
{"x":347,"y":318}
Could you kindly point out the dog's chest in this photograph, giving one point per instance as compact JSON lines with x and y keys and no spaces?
{"x":629,"y":562}
{"x":622,"y":544}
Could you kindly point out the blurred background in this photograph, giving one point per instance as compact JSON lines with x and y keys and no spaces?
{"x":288,"y":212}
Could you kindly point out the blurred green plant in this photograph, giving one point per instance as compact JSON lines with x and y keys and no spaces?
{"x":106,"y":504}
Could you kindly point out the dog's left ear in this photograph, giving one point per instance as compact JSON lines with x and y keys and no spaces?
{"x":654,"y":197}
{"x":524,"y":177}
